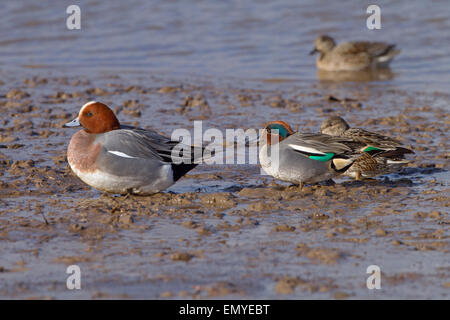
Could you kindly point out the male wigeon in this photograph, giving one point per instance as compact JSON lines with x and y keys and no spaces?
{"x":352,"y":56}
{"x":122,"y":159}
{"x":303,"y":157}
{"x":380,"y":154}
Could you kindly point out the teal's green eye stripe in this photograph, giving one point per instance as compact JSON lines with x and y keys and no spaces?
{"x":324,"y":158}
{"x":281,"y":130}
{"x":370,"y":149}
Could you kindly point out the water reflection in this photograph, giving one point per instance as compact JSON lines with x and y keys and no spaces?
{"x":356,"y":76}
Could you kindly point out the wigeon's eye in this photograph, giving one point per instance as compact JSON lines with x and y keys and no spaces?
{"x":89,"y":114}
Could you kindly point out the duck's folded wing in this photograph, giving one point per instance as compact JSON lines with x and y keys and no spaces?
{"x":146,"y":144}
{"x":372,"y":139}
{"x":319,"y":144}
{"x":374,"y":49}
{"x":322,"y":147}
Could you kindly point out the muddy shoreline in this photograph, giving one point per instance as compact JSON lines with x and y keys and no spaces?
{"x":223,"y":231}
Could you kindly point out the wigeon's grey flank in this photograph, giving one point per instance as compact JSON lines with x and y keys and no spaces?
{"x":122,"y":159}
{"x":303,"y":158}
{"x":380,"y":154}
{"x":352,"y":56}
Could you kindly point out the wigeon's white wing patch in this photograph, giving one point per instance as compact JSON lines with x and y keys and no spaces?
{"x":121,"y":154}
{"x":305,"y":149}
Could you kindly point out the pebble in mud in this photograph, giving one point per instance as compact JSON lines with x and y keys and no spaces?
{"x":220,"y":201}
{"x":126,"y":219}
{"x":290,"y":284}
{"x":380,"y":232}
{"x":199,"y":102}
{"x":284,"y":228}
{"x":168,"y":89}
{"x":261,"y":207}
{"x":222,"y":289}
{"x":166,"y":294}
{"x":341,"y":295}
{"x":17,"y":94}
{"x":181,"y":256}
{"x":320,"y":255}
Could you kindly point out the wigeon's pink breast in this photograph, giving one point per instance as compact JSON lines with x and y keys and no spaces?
{"x":82,"y":152}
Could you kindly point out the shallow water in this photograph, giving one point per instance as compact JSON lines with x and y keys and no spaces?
{"x":237,"y":39}
{"x":222,"y":231}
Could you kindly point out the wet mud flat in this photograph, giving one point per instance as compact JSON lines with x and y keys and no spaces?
{"x":223,"y":231}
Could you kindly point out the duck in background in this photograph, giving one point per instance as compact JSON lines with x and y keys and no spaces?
{"x":352,"y":56}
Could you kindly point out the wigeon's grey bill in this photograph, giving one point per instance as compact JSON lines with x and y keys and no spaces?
{"x":74,"y":123}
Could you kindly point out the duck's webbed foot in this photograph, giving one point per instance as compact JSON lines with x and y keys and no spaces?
{"x":298,"y":185}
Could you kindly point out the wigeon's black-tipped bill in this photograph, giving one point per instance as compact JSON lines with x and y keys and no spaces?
{"x":313,"y":51}
{"x":74,"y":123}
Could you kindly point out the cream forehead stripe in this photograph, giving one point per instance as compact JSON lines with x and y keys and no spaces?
{"x":85,"y":105}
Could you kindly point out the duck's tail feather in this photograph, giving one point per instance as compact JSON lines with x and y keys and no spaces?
{"x":181,"y":169}
{"x":396,"y":154}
